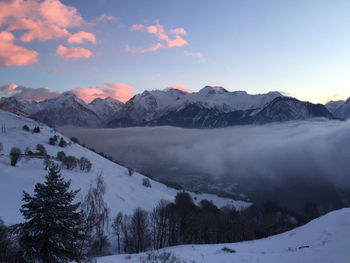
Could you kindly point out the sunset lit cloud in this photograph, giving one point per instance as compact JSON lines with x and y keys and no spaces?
{"x":26,"y":93}
{"x":57,"y":70}
{"x":74,"y":52}
{"x":182,"y":88}
{"x":118,"y":91}
{"x":81,"y":36}
{"x":14,"y":55}
{"x":158,"y":31}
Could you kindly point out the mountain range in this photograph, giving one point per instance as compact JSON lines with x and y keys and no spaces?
{"x":211,"y":107}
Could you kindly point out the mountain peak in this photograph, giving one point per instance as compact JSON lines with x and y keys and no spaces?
{"x":213,"y":90}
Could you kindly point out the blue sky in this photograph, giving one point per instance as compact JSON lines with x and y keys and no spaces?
{"x":301,"y":48}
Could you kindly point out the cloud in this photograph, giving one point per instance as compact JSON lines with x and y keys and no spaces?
{"x":182,"y":88}
{"x":102,"y":18}
{"x":14,"y":55}
{"x":178,"y":31}
{"x":26,"y":93}
{"x":291,"y":163}
{"x":40,"y":20}
{"x":158,"y":31}
{"x":74,"y":52}
{"x":118,"y":91}
{"x":57,"y":70}
{"x":154,"y":47}
{"x":335,"y":97}
{"x":8,"y":89}
{"x":195,"y":55}
{"x":81,"y":36}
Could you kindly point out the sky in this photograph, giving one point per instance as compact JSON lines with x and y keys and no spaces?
{"x":115,"y":48}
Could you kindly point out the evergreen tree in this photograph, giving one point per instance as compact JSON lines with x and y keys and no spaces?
{"x":52,"y":228}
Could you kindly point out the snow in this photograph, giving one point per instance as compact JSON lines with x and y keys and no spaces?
{"x":124,"y":193}
{"x":208,"y":96}
{"x":323,"y":240}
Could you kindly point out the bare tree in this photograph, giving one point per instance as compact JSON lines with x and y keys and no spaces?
{"x":139,"y":230}
{"x":160,"y":224}
{"x":96,"y":217}
{"x":117,"y":227}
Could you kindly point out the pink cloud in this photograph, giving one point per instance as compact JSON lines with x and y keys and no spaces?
{"x":8,"y":88}
{"x":14,"y":55}
{"x":177,"y":42}
{"x":178,"y":31}
{"x":118,"y":91}
{"x":145,"y":50}
{"x":26,"y":93}
{"x":57,"y":70}
{"x":137,"y":27}
{"x":182,"y":88}
{"x":74,"y":52}
{"x":43,"y":20}
{"x":158,"y":31}
{"x":81,"y":36}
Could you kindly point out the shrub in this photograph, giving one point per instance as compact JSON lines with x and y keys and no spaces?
{"x":161,"y":257}
{"x":74,"y":139}
{"x":85,"y":164}
{"x":36,"y":129}
{"x":25,"y":127}
{"x":130,"y":171}
{"x":62,"y":143}
{"x":70,"y":162}
{"x":228,"y":250}
{"x":15,"y":155}
{"x":52,"y":141}
{"x":146,"y":182}
{"x":41,"y":149}
{"x":60,"y":156}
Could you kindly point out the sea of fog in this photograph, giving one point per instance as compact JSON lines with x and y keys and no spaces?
{"x":293,"y":163}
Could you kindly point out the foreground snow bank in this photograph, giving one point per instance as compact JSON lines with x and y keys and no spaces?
{"x":323,"y":240}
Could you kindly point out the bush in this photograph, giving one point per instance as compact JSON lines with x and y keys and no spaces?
{"x":70,"y":162}
{"x":25,"y":127}
{"x":36,"y":129}
{"x":52,"y":141}
{"x":161,"y":257}
{"x":74,"y":139}
{"x":41,"y":149}
{"x":15,"y":155}
{"x":228,"y":250}
{"x":85,"y":164}
{"x":62,"y":143}
{"x":146,"y":182}
{"x":60,"y":156}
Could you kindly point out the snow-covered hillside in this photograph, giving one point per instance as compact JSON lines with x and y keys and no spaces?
{"x":323,"y":240}
{"x":124,"y":193}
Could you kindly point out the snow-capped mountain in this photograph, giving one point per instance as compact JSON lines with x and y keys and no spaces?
{"x":342,"y":110}
{"x":105,"y":108}
{"x":287,"y":108}
{"x":124,"y":193}
{"x":211,"y":107}
{"x":332,"y":106}
{"x":323,"y":240}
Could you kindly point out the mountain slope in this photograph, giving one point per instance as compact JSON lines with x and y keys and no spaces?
{"x":343,"y":111}
{"x":323,"y":240}
{"x":123,"y":193}
{"x":287,"y":108}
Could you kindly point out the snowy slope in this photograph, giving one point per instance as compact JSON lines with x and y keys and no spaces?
{"x":124,"y":193}
{"x":343,"y":111}
{"x":332,"y":106}
{"x":327,"y":238}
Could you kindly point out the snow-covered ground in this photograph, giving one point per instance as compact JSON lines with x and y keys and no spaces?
{"x":323,"y":240}
{"x":124,"y":193}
